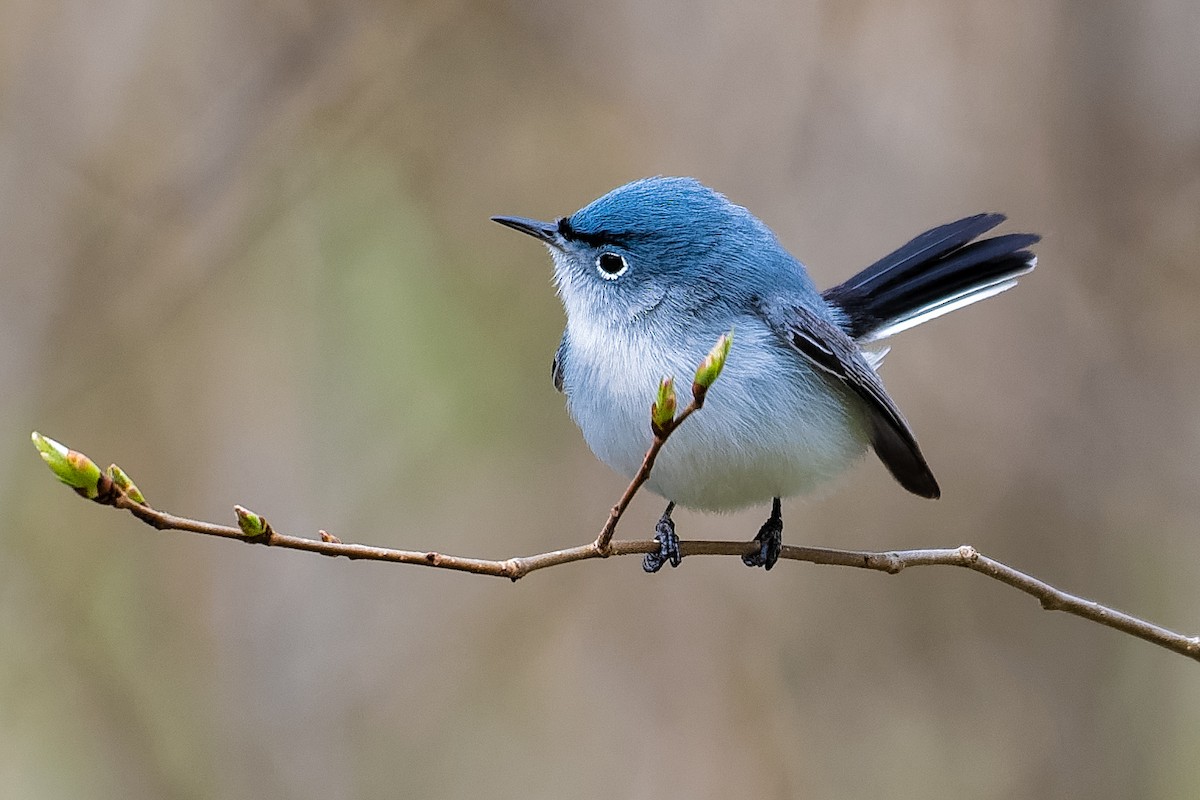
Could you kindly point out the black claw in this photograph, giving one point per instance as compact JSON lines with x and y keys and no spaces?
{"x":668,"y":544}
{"x":769,"y":540}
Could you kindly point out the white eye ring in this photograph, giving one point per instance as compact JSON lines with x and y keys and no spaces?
{"x":611,"y":265}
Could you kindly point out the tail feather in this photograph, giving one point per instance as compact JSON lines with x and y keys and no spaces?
{"x":937,"y":272}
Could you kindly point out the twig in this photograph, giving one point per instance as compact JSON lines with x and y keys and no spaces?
{"x":113,"y":487}
{"x":661,"y":433}
{"x":891,"y":562}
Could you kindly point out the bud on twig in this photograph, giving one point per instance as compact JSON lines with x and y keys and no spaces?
{"x":250,"y":523}
{"x":710,"y":368}
{"x":126,"y":485}
{"x":662,"y":413}
{"x":72,"y":468}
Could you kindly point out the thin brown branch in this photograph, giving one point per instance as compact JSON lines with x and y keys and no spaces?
{"x":661,"y":434}
{"x":892,"y":562}
{"x":115,"y":488}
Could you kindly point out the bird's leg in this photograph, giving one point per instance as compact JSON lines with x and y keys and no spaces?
{"x":769,"y":540}
{"x":668,"y":543}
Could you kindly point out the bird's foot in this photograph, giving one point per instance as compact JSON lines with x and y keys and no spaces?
{"x":769,"y":541}
{"x":668,"y":544}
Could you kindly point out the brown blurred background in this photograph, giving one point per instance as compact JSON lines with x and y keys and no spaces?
{"x":245,"y":253}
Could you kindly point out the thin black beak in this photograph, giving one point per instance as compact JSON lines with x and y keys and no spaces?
{"x":545,"y":231}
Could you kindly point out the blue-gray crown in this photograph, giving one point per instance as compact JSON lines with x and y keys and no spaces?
{"x":655,"y":206}
{"x":683,"y":226}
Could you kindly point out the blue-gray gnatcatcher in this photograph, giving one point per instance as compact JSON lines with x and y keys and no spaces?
{"x":652,"y":273}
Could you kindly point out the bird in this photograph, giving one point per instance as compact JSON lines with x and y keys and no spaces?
{"x":653,"y":272}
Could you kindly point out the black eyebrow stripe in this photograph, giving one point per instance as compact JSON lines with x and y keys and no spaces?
{"x":592,"y":238}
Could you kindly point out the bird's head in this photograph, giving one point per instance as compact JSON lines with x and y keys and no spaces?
{"x":657,"y":243}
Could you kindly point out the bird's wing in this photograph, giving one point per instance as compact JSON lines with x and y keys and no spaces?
{"x":556,"y":366}
{"x":829,"y":349}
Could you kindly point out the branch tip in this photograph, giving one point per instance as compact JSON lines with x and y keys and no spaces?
{"x":73,"y":468}
{"x":662,"y":411}
{"x":710,"y":368}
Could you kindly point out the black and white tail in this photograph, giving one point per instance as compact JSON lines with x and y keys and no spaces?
{"x":939,"y":271}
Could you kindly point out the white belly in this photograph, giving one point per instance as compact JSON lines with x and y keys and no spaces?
{"x":771,"y":426}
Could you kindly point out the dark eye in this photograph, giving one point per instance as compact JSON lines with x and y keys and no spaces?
{"x":611,"y":265}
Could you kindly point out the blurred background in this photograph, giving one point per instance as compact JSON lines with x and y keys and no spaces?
{"x":245,"y":253}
